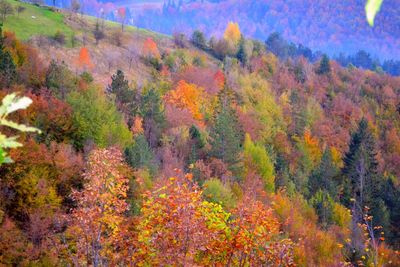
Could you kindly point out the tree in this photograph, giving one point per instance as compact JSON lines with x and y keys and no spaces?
{"x":226,"y":136}
{"x":324,"y":177}
{"x":97,"y":119}
{"x":152,"y":111}
{"x":124,"y":95}
{"x":84,"y":60}
{"x":243,"y":54}
{"x":100,"y":207}
{"x":139,"y":155}
{"x":199,"y":40}
{"x":5,"y":9}
{"x":98,"y":32}
{"x":188,"y":96}
{"x":257,"y":160}
{"x":20,"y":9}
{"x":361,"y":174}
{"x":150,"y":49}
{"x":122,"y":16}
{"x":75,"y":6}
{"x":232,"y":33}
{"x":324,"y":66}
{"x":8,"y":71}
{"x":59,"y":79}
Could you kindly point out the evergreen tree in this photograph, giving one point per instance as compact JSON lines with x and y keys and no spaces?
{"x":8,"y":72}
{"x":124,"y":95}
{"x":196,"y":142}
{"x":323,"y":178}
{"x":152,"y":111}
{"x":324,"y":66}
{"x":226,"y":133}
{"x":139,"y":155}
{"x":199,"y":40}
{"x":242,"y":53}
{"x":361,"y":172}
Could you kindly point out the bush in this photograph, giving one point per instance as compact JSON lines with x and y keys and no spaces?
{"x":59,"y":37}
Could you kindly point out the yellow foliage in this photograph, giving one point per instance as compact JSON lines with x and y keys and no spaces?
{"x":188,"y":96}
{"x":232,"y":33}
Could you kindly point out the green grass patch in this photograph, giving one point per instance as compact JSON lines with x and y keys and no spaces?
{"x":35,"y":20}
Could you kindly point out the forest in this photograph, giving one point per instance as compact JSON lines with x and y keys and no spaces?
{"x":124,"y":147}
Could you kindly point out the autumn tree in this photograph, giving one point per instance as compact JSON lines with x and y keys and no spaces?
{"x":188,"y":96}
{"x":150,"y":49}
{"x":122,"y":16}
{"x":232,"y":33}
{"x":84,"y":60}
{"x":100,"y":207}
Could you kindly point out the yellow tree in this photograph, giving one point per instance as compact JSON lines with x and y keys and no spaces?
{"x":232,"y":33}
{"x":100,"y":207}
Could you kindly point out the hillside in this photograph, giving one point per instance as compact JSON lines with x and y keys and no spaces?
{"x":332,"y":27}
{"x":156,"y":150}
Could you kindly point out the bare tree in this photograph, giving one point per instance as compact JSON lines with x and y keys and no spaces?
{"x":20,"y":9}
{"x":5,"y":10}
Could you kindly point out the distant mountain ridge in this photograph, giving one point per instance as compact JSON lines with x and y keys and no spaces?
{"x":330,"y":26}
{"x":333,"y":27}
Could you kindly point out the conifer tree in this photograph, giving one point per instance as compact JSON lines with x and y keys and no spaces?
{"x":361,"y":172}
{"x":324,"y":66}
{"x":323,"y":178}
{"x":8,"y":71}
{"x":226,"y":133}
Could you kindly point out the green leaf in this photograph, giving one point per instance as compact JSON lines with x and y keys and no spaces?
{"x":20,"y":127}
{"x":19,"y":103}
{"x":371,"y":9}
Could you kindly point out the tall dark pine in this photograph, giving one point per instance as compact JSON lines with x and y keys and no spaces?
{"x":8,"y":71}
{"x":226,"y":134}
{"x":324,"y":66}
{"x":361,"y":172}
{"x":152,"y":111}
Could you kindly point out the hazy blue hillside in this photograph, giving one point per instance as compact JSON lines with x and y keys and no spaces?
{"x":330,"y":26}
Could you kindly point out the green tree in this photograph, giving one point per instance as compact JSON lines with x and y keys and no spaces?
{"x":152,"y":111}
{"x":323,"y":178}
{"x":8,"y":72}
{"x":197,"y":142}
{"x":124,"y":95}
{"x":60,"y":79}
{"x":97,"y":119}
{"x":257,"y":159}
{"x":139,"y":155}
{"x":243,"y":51}
{"x":199,"y":40}
{"x":324,"y":66}
{"x":361,"y":173}
{"x":226,"y":135}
